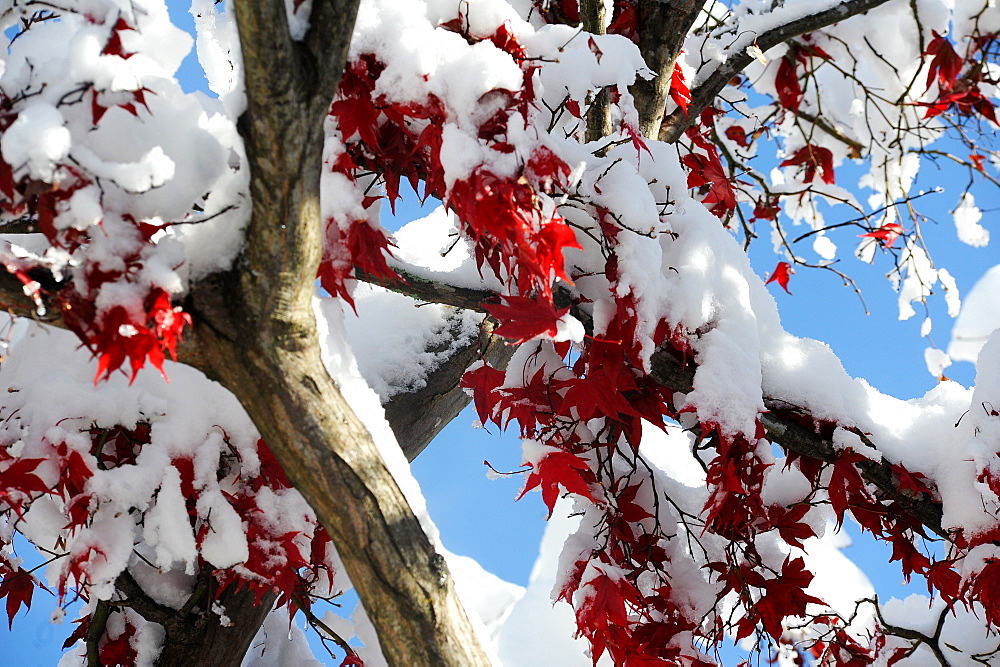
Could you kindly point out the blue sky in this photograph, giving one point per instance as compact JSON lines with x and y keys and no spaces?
{"x":478,"y":516}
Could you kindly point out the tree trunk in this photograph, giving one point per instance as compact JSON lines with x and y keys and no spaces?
{"x":258,"y":337}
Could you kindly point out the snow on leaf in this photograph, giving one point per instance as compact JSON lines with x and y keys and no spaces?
{"x":559,"y":468}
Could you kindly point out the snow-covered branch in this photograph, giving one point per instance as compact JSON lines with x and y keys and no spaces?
{"x":710,"y":84}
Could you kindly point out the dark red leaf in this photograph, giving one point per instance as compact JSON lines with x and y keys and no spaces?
{"x":813,"y":158}
{"x":17,"y":586}
{"x":560,"y":469}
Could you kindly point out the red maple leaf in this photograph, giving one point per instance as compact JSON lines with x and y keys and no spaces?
{"x":788,"y":523}
{"x":679,"y":91}
{"x":782,"y":272}
{"x":592,"y":397}
{"x":625,"y":21}
{"x":886,"y":234}
{"x":482,"y":380}
{"x":786,"y":82}
{"x":846,"y":482}
{"x":945,"y":63}
{"x":737,"y":134}
{"x":369,"y":248}
{"x":813,"y":158}
{"x":628,"y":508}
{"x":592,"y":45}
{"x":984,"y":586}
{"x":785,"y":596}
{"x":786,"y":79}
{"x":17,"y":586}
{"x":522,"y":318}
{"x":707,"y":174}
{"x":911,"y":481}
{"x":560,"y":468}
{"x":766,"y":209}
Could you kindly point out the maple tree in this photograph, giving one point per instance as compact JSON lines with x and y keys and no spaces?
{"x":602,"y":168}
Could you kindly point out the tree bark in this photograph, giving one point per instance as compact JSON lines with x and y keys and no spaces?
{"x":663,"y":27}
{"x":593,"y":15}
{"x":258,"y":338}
{"x":195,"y":634}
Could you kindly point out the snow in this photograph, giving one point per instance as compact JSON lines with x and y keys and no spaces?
{"x":538,"y":631}
{"x":37,"y":140}
{"x":979,"y":317}
{"x":967,"y":218}
{"x":167,"y":529}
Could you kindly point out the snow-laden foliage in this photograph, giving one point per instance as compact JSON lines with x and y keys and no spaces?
{"x":612,"y":256}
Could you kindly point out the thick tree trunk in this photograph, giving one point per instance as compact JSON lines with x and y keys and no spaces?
{"x":258,"y":337}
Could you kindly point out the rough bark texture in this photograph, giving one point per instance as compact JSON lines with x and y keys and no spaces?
{"x":593,"y":13}
{"x":258,"y":338}
{"x":417,"y":417}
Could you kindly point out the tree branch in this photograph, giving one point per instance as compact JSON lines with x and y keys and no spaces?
{"x":593,"y":15}
{"x":417,"y":417}
{"x":735,"y":61}
{"x":17,"y":303}
{"x":663,"y":27}
{"x":782,"y":429}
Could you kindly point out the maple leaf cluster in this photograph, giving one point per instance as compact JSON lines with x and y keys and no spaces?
{"x":707,"y":173}
{"x":142,"y":324}
{"x":297,"y":565}
{"x":504,"y":215}
{"x":585,"y":414}
{"x":957,"y":91}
